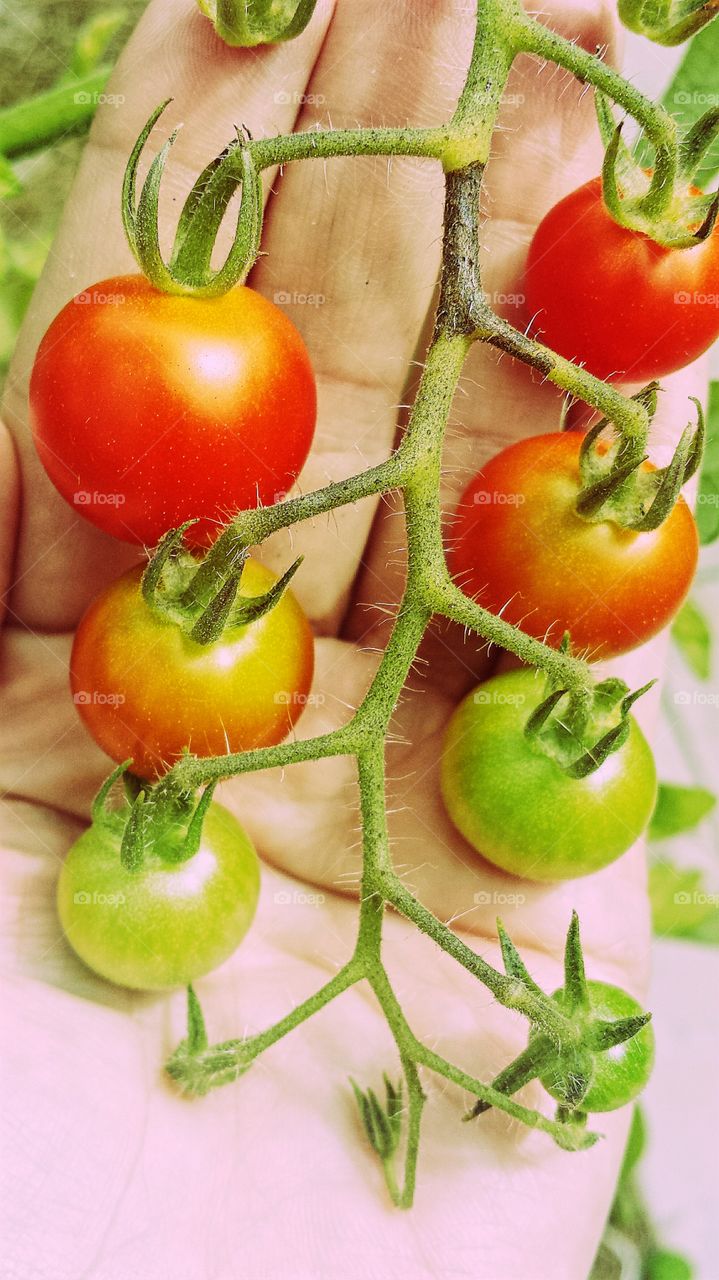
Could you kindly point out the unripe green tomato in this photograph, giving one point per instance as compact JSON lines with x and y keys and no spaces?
{"x":619,"y":1074}
{"x":167,"y":922}
{"x":516,"y":806}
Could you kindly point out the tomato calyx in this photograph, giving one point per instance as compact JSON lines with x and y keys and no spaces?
{"x":666,"y":22}
{"x":589,"y":730}
{"x":177,"y":585}
{"x":244,"y":24}
{"x":568,"y":1065}
{"x":618,"y":483}
{"x":661,"y":203}
{"x":188,"y":269}
{"x":161,"y":819}
{"x":195,"y":1065}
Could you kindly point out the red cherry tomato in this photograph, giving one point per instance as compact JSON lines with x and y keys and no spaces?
{"x":614,"y":300}
{"x":149,"y":409}
{"x":518,"y":544}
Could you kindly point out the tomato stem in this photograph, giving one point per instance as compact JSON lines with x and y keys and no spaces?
{"x":463,"y":317}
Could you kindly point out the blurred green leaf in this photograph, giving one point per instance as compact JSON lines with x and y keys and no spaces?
{"x":692,"y":635}
{"x":10,"y":184}
{"x":679,"y":809}
{"x":682,"y":907}
{"x":708,"y":497}
{"x":664,"y":1265}
{"x":93,"y":39}
{"x":695,"y":89}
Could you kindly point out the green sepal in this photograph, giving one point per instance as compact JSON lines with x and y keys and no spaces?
{"x":696,"y":142}
{"x":196,"y":1030}
{"x":605,"y":1035}
{"x":525,"y":1067}
{"x":584,"y":727}
{"x":514,"y":965}
{"x":382,"y":1122}
{"x":215,"y":616}
{"x":658,"y":204}
{"x":616,"y":486}
{"x":575,"y":981}
{"x":249,"y":609}
{"x":99,"y":810}
{"x":188,"y":270}
{"x":667,"y":22}
{"x":167,"y":548}
{"x":134,"y":837}
{"x":247,"y":23}
{"x":193,"y":837}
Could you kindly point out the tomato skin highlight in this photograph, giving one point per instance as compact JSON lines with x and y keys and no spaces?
{"x":166,"y":923}
{"x":517,"y":544}
{"x":517,"y":808}
{"x":614,"y":300}
{"x":146,"y":691}
{"x":150,"y":409}
{"x":619,"y":1073}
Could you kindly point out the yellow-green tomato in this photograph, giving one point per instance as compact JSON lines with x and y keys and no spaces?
{"x":166,"y":922}
{"x":619,"y":1074}
{"x":517,"y":807}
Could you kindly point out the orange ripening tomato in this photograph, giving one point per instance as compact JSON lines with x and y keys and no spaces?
{"x":519,"y":546}
{"x":146,"y":691}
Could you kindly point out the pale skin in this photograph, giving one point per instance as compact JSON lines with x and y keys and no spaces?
{"x":110,"y":1173}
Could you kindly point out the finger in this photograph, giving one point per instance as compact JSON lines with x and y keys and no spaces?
{"x":360,"y":238}
{"x":61,"y":560}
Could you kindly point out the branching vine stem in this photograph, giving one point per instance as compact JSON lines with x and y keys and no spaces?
{"x":414,"y":470}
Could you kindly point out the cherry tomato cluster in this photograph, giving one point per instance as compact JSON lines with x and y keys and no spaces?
{"x":149,"y":411}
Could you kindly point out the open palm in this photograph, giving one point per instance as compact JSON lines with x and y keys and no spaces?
{"x":113,"y":1174}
